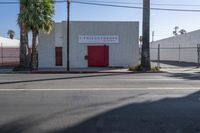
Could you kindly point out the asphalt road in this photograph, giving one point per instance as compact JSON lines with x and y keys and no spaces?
{"x":102,"y":81}
{"x":99,"y":103}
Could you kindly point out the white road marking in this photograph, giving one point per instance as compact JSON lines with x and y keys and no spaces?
{"x":155,"y":79}
{"x":106,"y":89}
{"x":174,"y":88}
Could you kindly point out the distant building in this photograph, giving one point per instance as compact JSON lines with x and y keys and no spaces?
{"x":92,"y":44}
{"x":177,"y":48}
{"x":9,"y":52}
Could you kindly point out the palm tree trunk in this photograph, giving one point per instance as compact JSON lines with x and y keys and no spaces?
{"x":145,"y":60}
{"x":34,"y":50}
{"x":24,"y":57}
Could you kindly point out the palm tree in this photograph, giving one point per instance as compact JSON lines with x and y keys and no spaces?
{"x":182,"y":31}
{"x":38,"y":18}
{"x":145,"y":59}
{"x":175,"y":32}
{"x":11,"y":34}
{"x":24,"y":55}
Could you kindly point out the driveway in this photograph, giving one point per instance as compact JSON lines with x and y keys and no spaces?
{"x":177,"y":67}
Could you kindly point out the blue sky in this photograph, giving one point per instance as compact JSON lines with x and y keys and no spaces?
{"x":162,"y":22}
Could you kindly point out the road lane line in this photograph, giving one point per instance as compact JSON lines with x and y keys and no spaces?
{"x":106,"y":89}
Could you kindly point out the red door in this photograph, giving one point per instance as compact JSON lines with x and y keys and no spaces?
{"x":58,"y":54}
{"x":98,"y":56}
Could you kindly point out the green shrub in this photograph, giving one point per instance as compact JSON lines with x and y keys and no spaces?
{"x":155,"y":69}
{"x":137,"y":68}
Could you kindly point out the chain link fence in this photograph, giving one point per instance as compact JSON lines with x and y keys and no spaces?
{"x":176,"y":55}
{"x":9,"y":56}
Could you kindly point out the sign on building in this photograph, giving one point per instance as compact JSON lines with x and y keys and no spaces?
{"x":104,"y":39}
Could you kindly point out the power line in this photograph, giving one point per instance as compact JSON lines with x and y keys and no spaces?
{"x":134,"y":7}
{"x":133,"y":3}
{"x":112,"y":2}
{"x":186,"y":5}
{"x":114,"y":5}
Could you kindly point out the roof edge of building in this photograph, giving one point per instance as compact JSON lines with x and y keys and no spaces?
{"x":99,"y":21}
{"x":178,"y":35}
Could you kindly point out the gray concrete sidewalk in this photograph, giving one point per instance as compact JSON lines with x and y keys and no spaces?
{"x":177,"y":67}
{"x":84,"y":70}
{"x":166,"y":66}
{"x":182,"y":70}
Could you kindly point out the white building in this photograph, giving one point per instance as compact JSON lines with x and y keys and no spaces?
{"x":177,"y":48}
{"x":92,"y":44}
{"x":9,"y":43}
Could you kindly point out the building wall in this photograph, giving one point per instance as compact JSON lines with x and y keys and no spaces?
{"x":46,"y":52}
{"x":177,"y":48}
{"x":124,"y":54}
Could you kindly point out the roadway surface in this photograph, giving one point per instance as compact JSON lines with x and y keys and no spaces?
{"x":100,"y":103}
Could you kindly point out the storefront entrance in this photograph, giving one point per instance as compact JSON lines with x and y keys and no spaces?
{"x":98,"y":56}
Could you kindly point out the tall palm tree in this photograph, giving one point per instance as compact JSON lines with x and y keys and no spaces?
{"x":24,"y":55}
{"x":145,"y":60}
{"x":38,"y":18}
{"x":11,"y":34}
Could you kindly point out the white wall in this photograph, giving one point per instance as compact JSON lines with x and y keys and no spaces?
{"x":170,"y":47}
{"x":46,"y":50}
{"x":125,"y":54}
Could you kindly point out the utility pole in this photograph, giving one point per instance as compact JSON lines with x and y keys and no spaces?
{"x":198,"y":53}
{"x":68,"y":36}
{"x":1,"y":54}
{"x":145,"y":61}
{"x":153,"y":34}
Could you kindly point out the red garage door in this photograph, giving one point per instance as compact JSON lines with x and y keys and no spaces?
{"x":98,"y":56}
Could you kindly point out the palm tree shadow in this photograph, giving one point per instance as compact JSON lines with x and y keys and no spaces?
{"x":187,"y":76}
{"x":176,"y":63}
{"x":171,"y":115}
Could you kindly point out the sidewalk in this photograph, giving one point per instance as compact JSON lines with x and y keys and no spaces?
{"x":178,"y":67}
{"x":181,"y":70}
{"x":169,"y":67}
{"x":83,"y":70}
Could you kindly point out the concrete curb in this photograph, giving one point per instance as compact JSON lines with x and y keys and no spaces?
{"x":87,"y":72}
{"x":73,"y":72}
{"x":77,"y":72}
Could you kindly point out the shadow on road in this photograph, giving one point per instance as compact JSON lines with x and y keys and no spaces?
{"x":170,"y":115}
{"x":188,"y":76}
{"x":175,"y":115}
{"x":64,"y":78}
